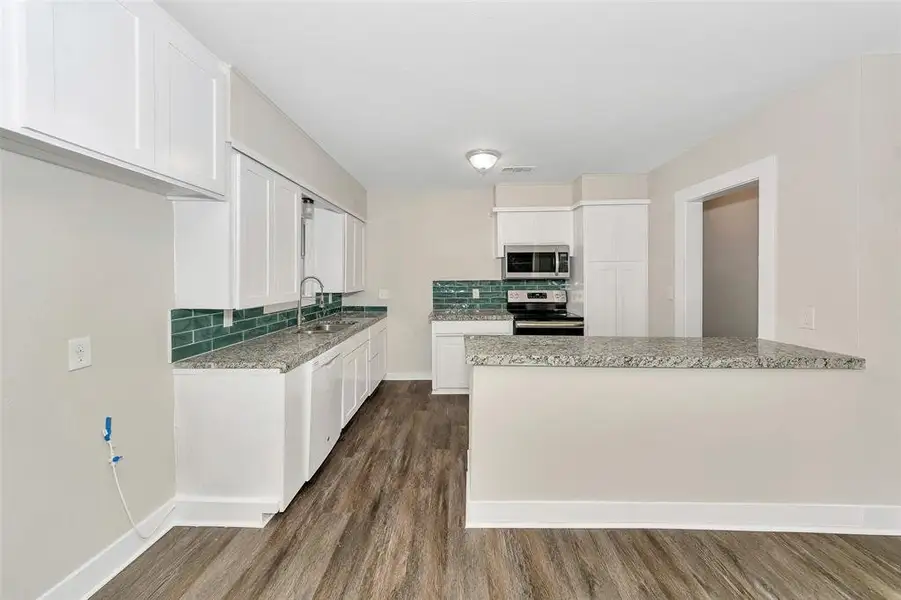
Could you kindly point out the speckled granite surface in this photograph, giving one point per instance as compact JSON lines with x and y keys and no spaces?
{"x":664,"y":353}
{"x":471,"y":314}
{"x":284,"y":350}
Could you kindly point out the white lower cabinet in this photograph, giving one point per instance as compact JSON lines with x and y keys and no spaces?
{"x":355,"y":385}
{"x":247,"y":440}
{"x":378,"y":354}
{"x":450,"y":373}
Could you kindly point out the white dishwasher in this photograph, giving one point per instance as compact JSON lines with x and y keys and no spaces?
{"x":325,"y":407}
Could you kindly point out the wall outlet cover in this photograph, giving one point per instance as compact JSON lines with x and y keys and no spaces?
{"x":228,"y":317}
{"x":475,"y":293}
{"x":809,"y":317}
{"x":79,"y":353}
{"x":384,"y":294}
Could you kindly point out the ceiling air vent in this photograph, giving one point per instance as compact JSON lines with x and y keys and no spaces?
{"x":517,"y":169}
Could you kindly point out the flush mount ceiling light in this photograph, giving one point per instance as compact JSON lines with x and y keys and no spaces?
{"x":482,"y":160}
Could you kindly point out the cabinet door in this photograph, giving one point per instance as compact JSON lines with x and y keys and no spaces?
{"x":362,"y":374}
{"x":632,"y":233}
{"x":88,"y":76}
{"x":632,"y":299}
{"x":253,"y":206}
{"x":616,"y":233}
{"x":285,"y":243}
{"x":296,"y":438}
{"x":348,"y":387}
{"x":600,"y":298}
{"x":599,"y":233}
{"x":190,"y":111}
{"x":378,"y":358}
{"x":359,"y":256}
{"x":325,"y":413}
{"x":450,"y":357}
{"x":349,"y":252}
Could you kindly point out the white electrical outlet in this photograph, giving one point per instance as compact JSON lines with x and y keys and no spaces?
{"x":475,"y":293}
{"x":384,"y":294}
{"x":228,"y":317}
{"x":79,"y":353}
{"x":809,"y":317}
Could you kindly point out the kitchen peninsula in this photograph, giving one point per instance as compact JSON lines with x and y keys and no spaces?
{"x":717,"y":433}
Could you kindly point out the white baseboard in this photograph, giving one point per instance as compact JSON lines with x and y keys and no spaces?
{"x":449,"y":391}
{"x":814,"y":518}
{"x":409,"y":376}
{"x":191,"y":512}
{"x":94,"y":574}
{"x":225,"y":512}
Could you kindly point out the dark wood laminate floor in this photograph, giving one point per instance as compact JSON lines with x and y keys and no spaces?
{"x":384,"y":519}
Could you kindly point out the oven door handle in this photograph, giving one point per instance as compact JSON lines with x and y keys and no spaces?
{"x":549,"y":324}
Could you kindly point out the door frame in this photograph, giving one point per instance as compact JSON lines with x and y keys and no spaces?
{"x":689,"y":246}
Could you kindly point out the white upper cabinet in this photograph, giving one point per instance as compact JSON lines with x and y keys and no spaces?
{"x":616,"y":233}
{"x":284,"y":246}
{"x":340,"y":251}
{"x":86,"y":75}
{"x":358,"y":281}
{"x":245,"y":252}
{"x":253,"y":210}
{"x":190,"y":111}
{"x":114,"y":85}
{"x":531,"y":226}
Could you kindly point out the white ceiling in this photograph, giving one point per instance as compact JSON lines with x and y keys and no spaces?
{"x":398,"y":92}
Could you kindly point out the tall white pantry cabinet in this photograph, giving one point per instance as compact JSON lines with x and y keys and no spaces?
{"x":609,"y":278}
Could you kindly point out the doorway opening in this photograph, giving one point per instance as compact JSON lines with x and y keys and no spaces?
{"x":729,"y":280}
{"x":688,"y":213}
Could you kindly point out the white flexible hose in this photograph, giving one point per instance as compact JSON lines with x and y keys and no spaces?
{"x":134,"y":526}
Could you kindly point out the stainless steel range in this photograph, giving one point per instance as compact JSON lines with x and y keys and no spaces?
{"x":541,"y":312}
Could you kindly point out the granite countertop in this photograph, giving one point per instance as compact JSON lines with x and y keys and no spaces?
{"x":665,"y":353}
{"x":470,"y":314}
{"x":284,"y":350}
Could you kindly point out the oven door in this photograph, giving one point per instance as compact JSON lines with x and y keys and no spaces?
{"x":533,"y":262}
{"x":526,"y":327}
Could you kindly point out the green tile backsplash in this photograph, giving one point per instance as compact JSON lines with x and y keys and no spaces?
{"x":195,"y":331}
{"x":492,"y":292}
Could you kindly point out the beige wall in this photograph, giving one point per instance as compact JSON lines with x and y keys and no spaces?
{"x":610,"y":186}
{"x":670,"y":435}
{"x":838,"y":145}
{"x":814,"y":133}
{"x":532,"y":194}
{"x":80,"y":256}
{"x":412,"y":239}
{"x":730,"y":264}
{"x":258,"y":124}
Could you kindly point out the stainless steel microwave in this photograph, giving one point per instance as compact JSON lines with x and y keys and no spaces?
{"x":536,"y":262}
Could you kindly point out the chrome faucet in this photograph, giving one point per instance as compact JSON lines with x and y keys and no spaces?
{"x":300,"y":300}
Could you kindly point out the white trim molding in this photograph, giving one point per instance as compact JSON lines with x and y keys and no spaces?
{"x":84,"y":581}
{"x":815,"y":518}
{"x":613,"y":202}
{"x":409,"y":376}
{"x":688,"y":246}
{"x":225,"y":512}
{"x":570,"y":208}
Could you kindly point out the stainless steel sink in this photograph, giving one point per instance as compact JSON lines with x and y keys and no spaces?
{"x":333,"y":327}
